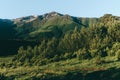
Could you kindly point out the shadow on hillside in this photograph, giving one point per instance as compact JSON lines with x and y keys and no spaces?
{"x":110,"y":74}
{"x":10,"y":47}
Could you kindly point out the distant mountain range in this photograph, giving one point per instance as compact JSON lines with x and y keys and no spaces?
{"x":42,"y":26}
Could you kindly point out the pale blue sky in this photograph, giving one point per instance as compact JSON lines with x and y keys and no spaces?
{"x":82,"y":8}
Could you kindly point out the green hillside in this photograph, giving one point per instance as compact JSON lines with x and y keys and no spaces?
{"x":54,"y":46}
{"x":37,"y":28}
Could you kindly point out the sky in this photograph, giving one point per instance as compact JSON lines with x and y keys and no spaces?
{"x":11,"y":9}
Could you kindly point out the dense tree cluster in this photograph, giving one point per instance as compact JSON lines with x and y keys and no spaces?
{"x":98,"y":39}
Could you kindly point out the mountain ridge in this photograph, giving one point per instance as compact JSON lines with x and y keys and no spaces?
{"x":31,"y":30}
{"x":34,"y":24}
{"x":31,"y":27}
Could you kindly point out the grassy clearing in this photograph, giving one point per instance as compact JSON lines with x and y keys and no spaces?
{"x":58,"y":68}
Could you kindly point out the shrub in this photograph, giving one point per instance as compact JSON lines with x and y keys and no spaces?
{"x":68,"y":55}
{"x":99,"y":60}
{"x":93,"y":52}
{"x":118,"y":54}
{"x":83,"y":54}
{"x":115,"y":49}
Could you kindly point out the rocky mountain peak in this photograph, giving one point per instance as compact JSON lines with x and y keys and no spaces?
{"x":51,"y":14}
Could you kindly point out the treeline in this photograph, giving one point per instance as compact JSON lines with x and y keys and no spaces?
{"x":98,"y":40}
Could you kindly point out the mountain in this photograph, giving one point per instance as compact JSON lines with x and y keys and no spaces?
{"x":51,"y":25}
{"x":31,"y":30}
{"x":34,"y":27}
{"x":55,"y":46}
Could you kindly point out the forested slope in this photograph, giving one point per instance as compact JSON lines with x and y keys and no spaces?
{"x":54,"y":46}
